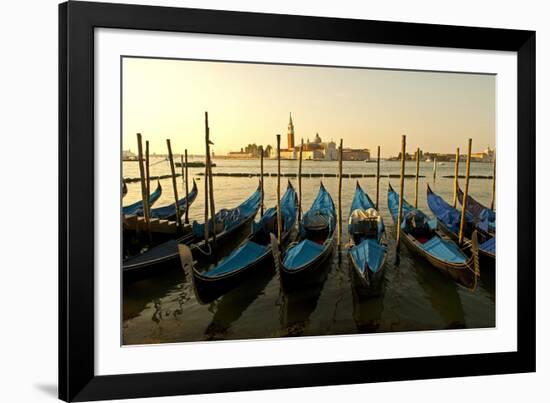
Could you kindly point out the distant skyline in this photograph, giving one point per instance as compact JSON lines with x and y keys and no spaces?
{"x":251,"y":103}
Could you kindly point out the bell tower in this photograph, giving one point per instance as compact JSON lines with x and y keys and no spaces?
{"x":290,"y":136}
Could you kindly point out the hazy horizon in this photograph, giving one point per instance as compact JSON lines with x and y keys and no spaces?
{"x":250,"y":103}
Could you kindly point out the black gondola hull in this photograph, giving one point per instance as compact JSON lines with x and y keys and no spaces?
{"x":171,"y":261}
{"x":207,"y":289}
{"x":309,"y":273}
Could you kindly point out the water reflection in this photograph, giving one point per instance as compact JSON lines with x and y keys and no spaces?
{"x":298,"y":303}
{"x":229,"y":308}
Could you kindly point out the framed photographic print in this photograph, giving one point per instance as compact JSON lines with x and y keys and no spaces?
{"x":258,"y":201}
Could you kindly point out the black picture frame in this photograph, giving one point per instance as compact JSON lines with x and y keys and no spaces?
{"x":77,"y":21}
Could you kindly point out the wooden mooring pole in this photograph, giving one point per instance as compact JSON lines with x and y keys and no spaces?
{"x":435,"y":168}
{"x":455,"y":190}
{"x":279,"y":188}
{"x":144,"y":194}
{"x":494,"y":180}
{"x":401,"y":191}
{"x":300,"y":182}
{"x":377,"y":177}
{"x":262,"y":180}
{"x":206,"y":224}
{"x":186,"y":189}
{"x":174,"y":183}
{"x":465,"y":197}
{"x":340,"y":156}
{"x":416,"y":178}
{"x":147,"y":175}
{"x":209,"y":178}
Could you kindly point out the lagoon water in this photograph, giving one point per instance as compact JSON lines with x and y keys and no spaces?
{"x":414,"y":296}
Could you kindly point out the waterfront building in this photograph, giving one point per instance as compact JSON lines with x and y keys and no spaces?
{"x":290,"y":135}
{"x":355,"y":154}
{"x":486,"y":155}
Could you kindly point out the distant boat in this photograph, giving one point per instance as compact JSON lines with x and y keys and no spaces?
{"x":302,"y":258}
{"x":251,"y":256}
{"x":137,"y":207}
{"x":436,"y":248}
{"x":366,"y":229}
{"x":194,"y":164}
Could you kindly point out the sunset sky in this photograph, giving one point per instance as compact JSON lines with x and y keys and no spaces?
{"x":250,"y":103}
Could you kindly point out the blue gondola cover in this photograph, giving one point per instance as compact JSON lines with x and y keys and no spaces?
{"x":137,"y":207}
{"x":169,"y":211}
{"x":306,"y":250}
{"x":250,"y":251}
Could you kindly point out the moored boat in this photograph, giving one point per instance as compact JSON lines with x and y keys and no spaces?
{"x":253,"y":255}
{"x":485,"y":216}
{"x":137,"y":207}
{"x":302,"y":258}
{"x":448,"y":220}
{"x":367,"y":251}
{"x":168,"y":212}
{"x":229,"y":224}
{"x":425,"y":241}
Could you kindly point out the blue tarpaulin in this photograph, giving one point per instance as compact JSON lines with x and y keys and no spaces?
{"x":370,"y":252}
{"x":489,"y":245}
{"x":441,"y":249}
{"x":137,"y":207}
{"x":302,"y":253}
{"x":242,"y":257}
{"x":232,"y":217}
{"x":444,"y":250}
{"x":169,"y":211}
{"x":251,"y":251}
{"x":306,"y":250}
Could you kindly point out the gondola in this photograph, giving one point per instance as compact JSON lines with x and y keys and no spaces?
{"x":253,"y":255}
{"x":368,"y":249}
{"x":434,"y":246}
{"x":229,"y":224}
{"x":316,"y":232}
{"x":448,"y":220}
{"x":137,"y":207}
{"x":169,"y":212}
{"x":124,"y":189}
{"x":485,"y":216}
